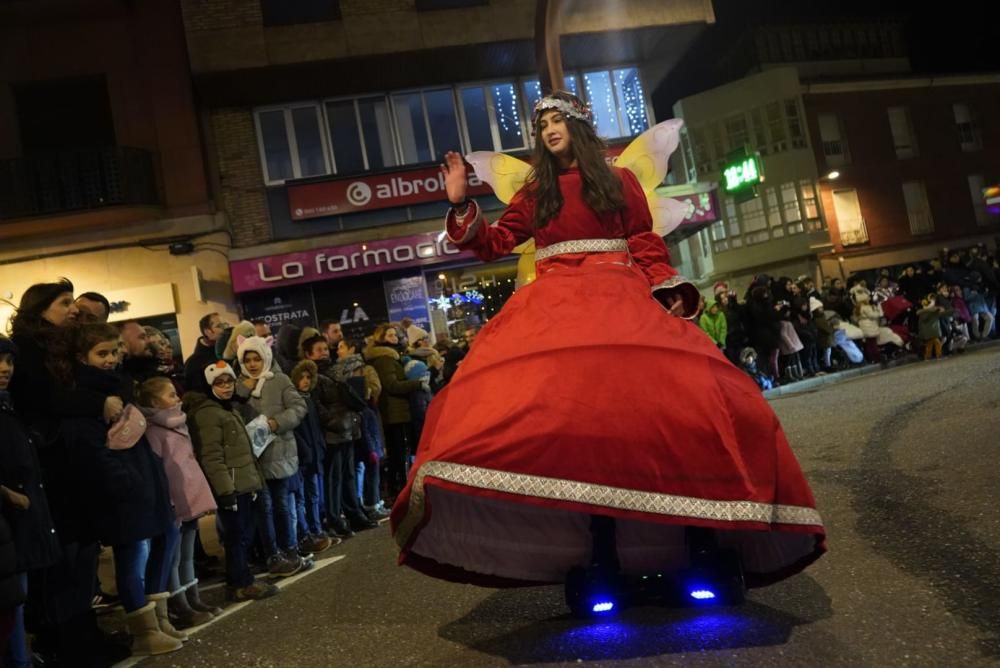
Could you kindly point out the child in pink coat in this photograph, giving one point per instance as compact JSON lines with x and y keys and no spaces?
{"x":190,"y":493}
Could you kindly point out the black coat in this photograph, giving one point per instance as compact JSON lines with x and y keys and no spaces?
{"x":32,"y":529}
{"x":43,"y":403}
{"x":764,"y":327}
{"x":126,"y":490}
{"x":310,"y":441}
{"x":11,"y":593}
{"x":339,"y":406}
{"x":194,"y":366}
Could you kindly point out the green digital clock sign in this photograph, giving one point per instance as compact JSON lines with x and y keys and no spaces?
{"x":742,"y":174}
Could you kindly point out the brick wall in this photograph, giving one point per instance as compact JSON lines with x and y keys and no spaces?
{"x":238,"y":159}
{"x":202,"y":15}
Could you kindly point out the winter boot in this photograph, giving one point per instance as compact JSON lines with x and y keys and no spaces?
{"x":184,"y":615}
{"x":163,"y":616}
{"x":194,"y":599}
{"x":145,"y":630}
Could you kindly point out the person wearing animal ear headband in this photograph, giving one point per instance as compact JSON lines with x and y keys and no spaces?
{"x":590,"y":405}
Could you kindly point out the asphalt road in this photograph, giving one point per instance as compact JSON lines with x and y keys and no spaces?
{"x":904,"y":468}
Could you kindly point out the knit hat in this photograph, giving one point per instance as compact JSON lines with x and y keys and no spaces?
{"x":7,"y":347}
{"x":415,"y":333}
{"x":415,"y":370}
{"x":815,"y":304}
{"x":302,"y":368}
{"x":262,"y":347}
{"x":217,"y":369}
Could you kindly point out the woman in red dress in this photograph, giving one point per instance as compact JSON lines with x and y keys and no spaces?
{"x":592,"y":395}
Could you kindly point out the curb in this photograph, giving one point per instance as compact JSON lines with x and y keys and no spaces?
{"x":832,"y":378}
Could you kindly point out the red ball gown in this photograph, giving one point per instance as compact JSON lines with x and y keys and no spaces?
{"x":584,"y":396}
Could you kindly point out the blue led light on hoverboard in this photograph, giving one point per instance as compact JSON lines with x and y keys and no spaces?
{"x":702,"y":594}
{"x":603,"y":606}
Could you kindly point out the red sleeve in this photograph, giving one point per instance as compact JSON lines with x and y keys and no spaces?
{"x":650,"y":252}
{"x":490,"y":242}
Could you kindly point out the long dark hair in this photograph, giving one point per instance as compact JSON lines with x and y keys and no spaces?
{"x":28,"y":323}
{"x":602,"y":189}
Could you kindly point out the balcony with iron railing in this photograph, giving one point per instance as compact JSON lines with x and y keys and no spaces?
{"x":51,"y":183}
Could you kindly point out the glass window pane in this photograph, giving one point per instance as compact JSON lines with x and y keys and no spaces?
{"x":571,"y":85}
{"x":343,"y":126}
{"x":376,"y":128}
{"x":631,"y":100}
{"x":277,"y":155}
{"x":532,"y":93}
{"x":444,"y":123}
{"x":602,"y":101}
{"x":309,"y":141}
{"x":411,"y":127}
{"x":508,"y":115}
{"x":477,"y":119}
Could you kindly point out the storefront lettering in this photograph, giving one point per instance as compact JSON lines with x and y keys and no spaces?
{"x":349,"y":260}
{"x":289,"y":270}
{"x":333,"y":264}
{"x":358,"y":316}
{"x":286,"y":316}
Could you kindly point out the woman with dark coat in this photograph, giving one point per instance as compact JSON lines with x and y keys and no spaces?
{"x":127,"y":494}
{"x":394,"y":404}
{"x":25,"y":507}
{"x":59,"y":607}
{"x":764,"y":327}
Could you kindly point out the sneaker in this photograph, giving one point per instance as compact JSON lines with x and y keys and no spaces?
{"x":376,"y":514}
{"x":316,"y":544}
{"x":282,"y":566}
{"x":252,"y":592}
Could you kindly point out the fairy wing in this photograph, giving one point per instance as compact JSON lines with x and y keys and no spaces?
{"x":505,"y":174}
{"x":648,"y":157}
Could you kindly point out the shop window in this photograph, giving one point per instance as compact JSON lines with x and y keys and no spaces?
{"x":465,"y":297}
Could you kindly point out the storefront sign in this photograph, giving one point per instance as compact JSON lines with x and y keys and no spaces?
{"x":334,"y":197}
{"x":291,"y":306}
{"x":407,"y":298}
{"x":367,"y":193}
{"x":702,"y":208}
{"x":141,"y":302}
{"x":339,"y":261}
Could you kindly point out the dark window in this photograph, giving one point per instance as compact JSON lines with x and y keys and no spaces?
{"x":430,"y":5}
{"x":65,"y":113}
{"x":291,"y":12}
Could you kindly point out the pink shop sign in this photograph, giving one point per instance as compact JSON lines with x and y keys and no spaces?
{"x":351,"y":260}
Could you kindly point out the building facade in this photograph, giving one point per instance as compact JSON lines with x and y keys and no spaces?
{"x":914,"y":156}
{"x":865,"y":165}
{"x":779,"y":231}
{"x":325,"y":128}
{"x":101,"y":163}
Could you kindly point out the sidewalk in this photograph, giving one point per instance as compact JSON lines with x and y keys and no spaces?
{"x":830,"y":378}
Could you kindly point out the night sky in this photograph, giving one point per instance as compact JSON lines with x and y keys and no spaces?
{"x":962,"y":39}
